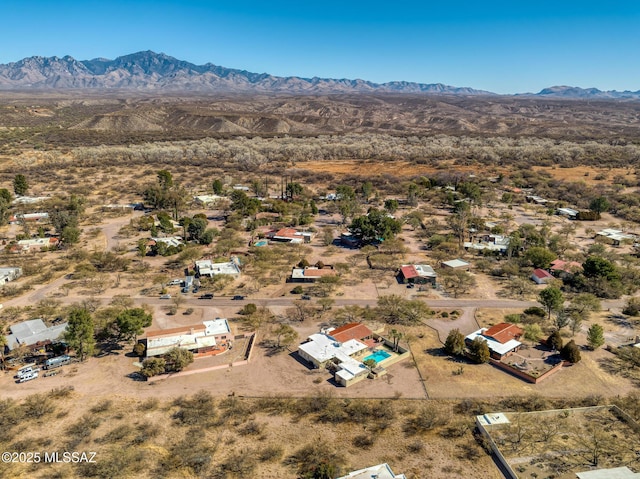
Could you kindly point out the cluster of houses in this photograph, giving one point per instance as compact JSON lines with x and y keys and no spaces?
{"x":557,"y":269}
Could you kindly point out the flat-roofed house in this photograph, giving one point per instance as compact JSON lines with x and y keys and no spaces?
{"x":198,"y":338}
{"x":502,"y":339}
{"x":380,"y":471}
{"x":311,"y":274}
{"x":290,"y":235}
{"x":208,"y":268}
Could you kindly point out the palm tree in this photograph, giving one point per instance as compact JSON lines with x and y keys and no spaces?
{"x":396,"y":336}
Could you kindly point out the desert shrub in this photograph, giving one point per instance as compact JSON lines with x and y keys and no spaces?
{"x":427,"y":418}
{"x":61,"y":392}
{"x":252,"y":428}
{"x":149,"y":404}
{"x":37,"y":406}
{"x":102,"y":406}
{"x":197,"y":410}
{"x":632,"y":307}
{"x":297,"y":290}
{"x":364,"y":441}
{"x":270,"y":453}
{"x":240,"y":463}
{"x":117,"y":434}
{"x":319,"y":460}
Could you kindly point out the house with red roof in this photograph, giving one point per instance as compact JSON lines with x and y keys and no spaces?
{"x":290,"y":235}
{"x":562,"y":268}
{"x":311,"y":274}
{"x":417,"y":273}
{"x":541,"y":276}
{"x":502,"y":339}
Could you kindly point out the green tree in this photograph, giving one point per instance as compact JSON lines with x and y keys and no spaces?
{"x":367,"y":190}
{"x":5,"y":194}
{"x":70,"y":235}
{"x":595,"y":336}
{"x":552,"y":299}
{"x":571,"y":352}
{"x":153,"y":367}
{"x":395,"y":336}
{"x":131,"y":322}
{"x":479,"y":351}
{"x":294,"y":189}
{"x":597,"y":267}
{"x":539,"y":257}
{"x":177,"y":359}
{"x":374,"y":226}
{"x":454,"y":344}
{"x":584,"y":304}
{"x":218,"y":187}
{"x":285,"y":336}
{"x":79,"y":333}
{"x":165,"y":180}
{"x":20,"y":185}
{"x":554,"y":341}
{"x":599,"y":204}
{"x":197,"y":227}
{"x":391,"y":206}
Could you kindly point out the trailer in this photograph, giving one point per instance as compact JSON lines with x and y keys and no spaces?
{"x":57,"y":362}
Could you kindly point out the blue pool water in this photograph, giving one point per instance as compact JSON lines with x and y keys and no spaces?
{"x":378,"y":356}
{"x":261,"y":243}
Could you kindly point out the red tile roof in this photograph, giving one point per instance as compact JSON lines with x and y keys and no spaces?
{"x":566,"y":266}
{"x":503,"y":332}
{"x":350,"y":331}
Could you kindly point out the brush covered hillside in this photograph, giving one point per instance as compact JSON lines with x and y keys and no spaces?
{"x":60,"y":119}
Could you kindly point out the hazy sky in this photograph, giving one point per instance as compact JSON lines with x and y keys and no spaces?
{"x":504,"y":47}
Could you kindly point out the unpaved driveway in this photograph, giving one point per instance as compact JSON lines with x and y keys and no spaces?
{"x":466,"y":323}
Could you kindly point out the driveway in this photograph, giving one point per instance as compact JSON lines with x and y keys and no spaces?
{"x":466,"y":323}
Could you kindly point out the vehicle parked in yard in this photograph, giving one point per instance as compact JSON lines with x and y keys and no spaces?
{"x":206,"y":296}
{"x":306,"y":297}
{"x":174,"y":282}
{"x":238,"y":297}
{"x":165,"y":296}
{"x":28,"y":377}
{"x":57,"y":362}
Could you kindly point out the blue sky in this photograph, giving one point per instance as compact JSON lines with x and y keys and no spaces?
{"x":500,"y":46}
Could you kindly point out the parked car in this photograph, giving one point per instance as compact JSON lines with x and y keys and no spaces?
{"x":305,"y":296}
{"x":238,"y":297}
{"x":206,"y":296}
{"x":175,"y":282}
{"x":196,"y":289}
{"x":165,"y":296}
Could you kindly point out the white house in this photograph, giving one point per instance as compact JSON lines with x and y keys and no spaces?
{"x":175,"y":241}
{"x":381,"y":471}
{"x":9,"y":274}
{"x":206,"y":200}
{"x":206,"y":267}
{"x":198,"y":338}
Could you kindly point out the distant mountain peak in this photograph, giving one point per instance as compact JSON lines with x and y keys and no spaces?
{"x":150,"y":71}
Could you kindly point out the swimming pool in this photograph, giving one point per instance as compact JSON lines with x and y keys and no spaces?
{"x":261,"y":243}
{"x":378,"y":356}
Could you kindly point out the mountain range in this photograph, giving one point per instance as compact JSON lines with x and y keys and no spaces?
{"x":156,"y":72}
